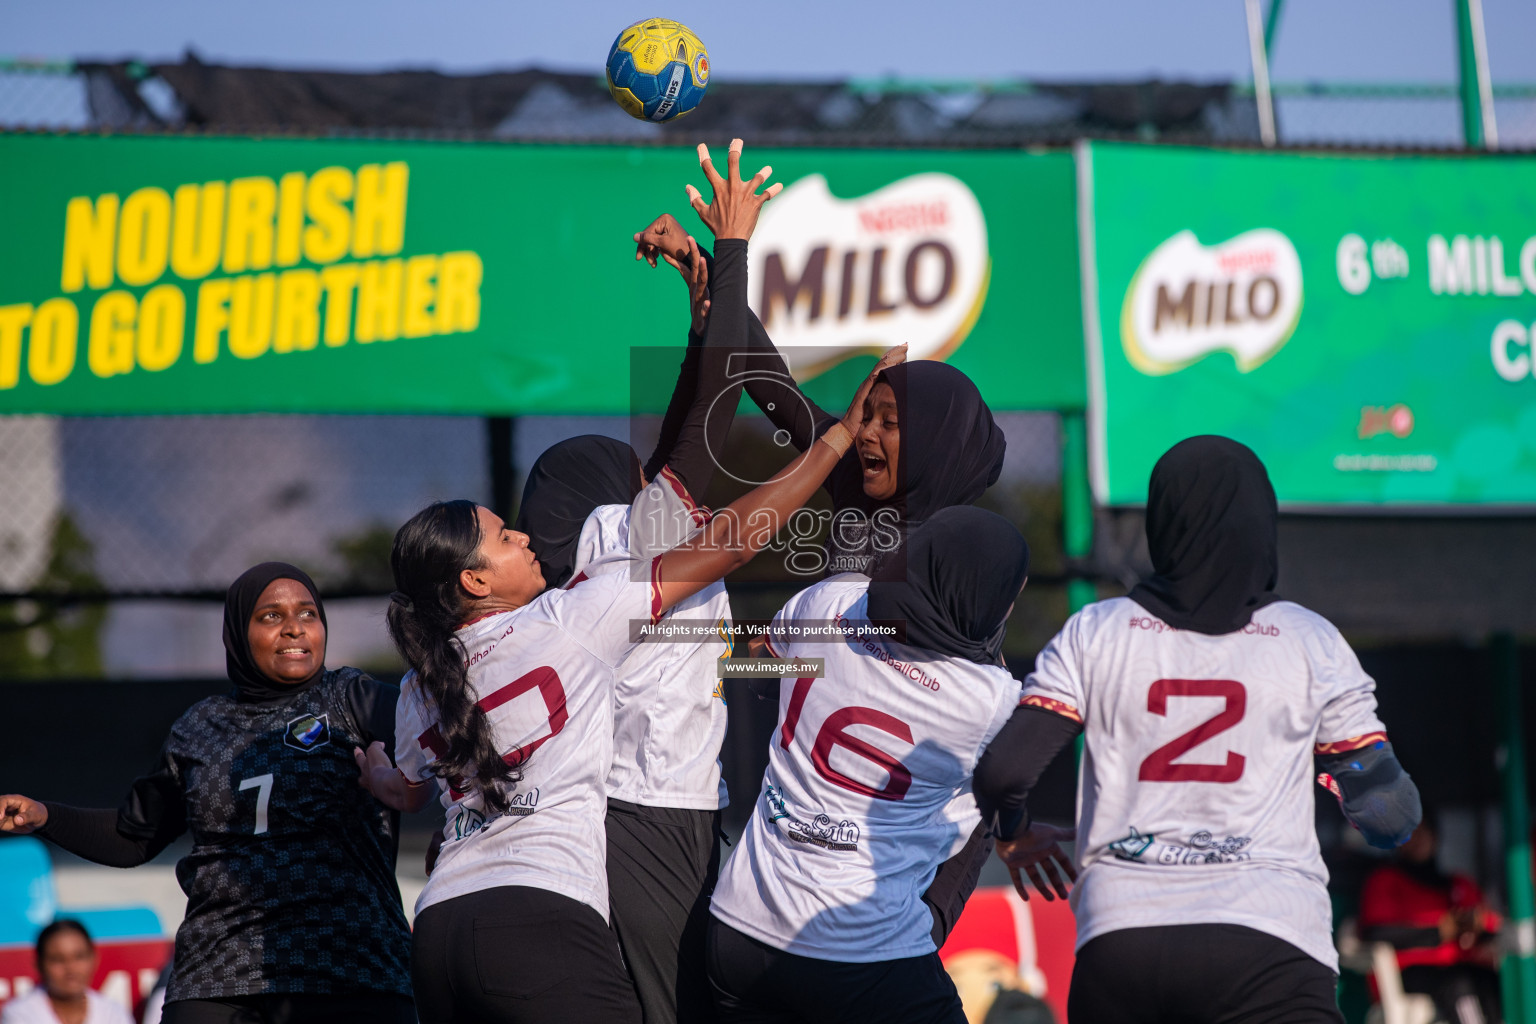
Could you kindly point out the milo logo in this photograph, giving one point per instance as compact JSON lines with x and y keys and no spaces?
{"x":1188,"y":300}
{"x":906,"y":263}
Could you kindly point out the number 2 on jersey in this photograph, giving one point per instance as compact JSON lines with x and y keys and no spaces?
{"x":1159,"y":766}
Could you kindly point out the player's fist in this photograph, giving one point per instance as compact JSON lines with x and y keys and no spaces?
{"x":369,"y":760}
{"x":20,"y":815}
{"x":664,"y":237}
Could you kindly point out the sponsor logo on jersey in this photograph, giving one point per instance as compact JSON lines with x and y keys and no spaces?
{"x":308,"y":732}
{"x":524,"y":803}
{"x":908,"y":262}
{"x":466,"y":823}
{"x":819,"y":831}
{"x":1132,"y":846}
{"x":1188,"y":300}
{"x":1201,"y":848}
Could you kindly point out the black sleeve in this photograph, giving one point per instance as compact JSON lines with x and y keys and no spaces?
{"x":155,"y":810}
{"x":776,"y":393}
{"x":92,"y":833}
{"x":1014,"y":761}
{"x":771,"y":386}
{"x":691,"y":455}
{"x":677,"y":407}
{"x":372,"y":705}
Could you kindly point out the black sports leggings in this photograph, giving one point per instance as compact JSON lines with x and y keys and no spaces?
{"x":1199,"y":974}
{"x":361,"y":1008}
{"x":518,"y":955}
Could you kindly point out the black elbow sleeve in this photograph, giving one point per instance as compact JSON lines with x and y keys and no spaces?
{"x":1377,"y":796}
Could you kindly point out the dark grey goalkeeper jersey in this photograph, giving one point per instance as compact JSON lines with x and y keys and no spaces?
{"x":290,"y":883}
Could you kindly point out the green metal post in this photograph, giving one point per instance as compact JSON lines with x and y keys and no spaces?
{"x":1471,"y":95}
{"x":1520,"y":964}
{"x":1076,"y":518}
{"x":1076,"y":505}
{"x":1271,"y":26}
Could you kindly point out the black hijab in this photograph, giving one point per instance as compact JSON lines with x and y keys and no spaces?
{"x":951,"y":448}
{"x":964,"y":567}
{"x":1211,"y":529}
{"x":251,"y":685}
{"x":565,"y":484}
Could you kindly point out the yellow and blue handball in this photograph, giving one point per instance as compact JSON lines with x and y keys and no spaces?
{"x":658,"y":70}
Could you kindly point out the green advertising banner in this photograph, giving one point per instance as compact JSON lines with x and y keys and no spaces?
{"x":1364,"y":323}
{"x":181,"y":274}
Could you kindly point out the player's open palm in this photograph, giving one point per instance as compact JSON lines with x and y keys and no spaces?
{"x":1037,"y":854}
{"x":20,"y":815}
{"x":733,"y":209}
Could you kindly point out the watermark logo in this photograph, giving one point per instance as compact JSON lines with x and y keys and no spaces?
{"x":905,"y":263}
{"x":1188,"y":300}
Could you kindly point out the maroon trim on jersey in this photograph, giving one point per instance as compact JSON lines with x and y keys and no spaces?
{"x":547,"y":681}
{"x":1370,"y":739}
{"x":768,"y":645}
{"x":657,"y":609}
{"x":1053,"y":706}
{"x":580,"y":577}
{"x":698,"y":512}
{"x":432,"y":741}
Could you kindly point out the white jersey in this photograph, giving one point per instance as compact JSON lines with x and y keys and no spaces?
{"x":1195,"y":801}
{"x":669,"y":712}
{"x":35,"y":1008}
{"x":544,"y":675}
{"x":867,"y":790}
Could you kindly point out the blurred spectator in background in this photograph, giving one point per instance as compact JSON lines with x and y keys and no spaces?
{"x":990,"y":956}
{"x":1443,"y":930}
{"x":66,"y":962}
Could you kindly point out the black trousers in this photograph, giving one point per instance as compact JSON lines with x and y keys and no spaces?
{"x":754,"y":983}
{"x":365,"y":1008}
{"x":1199,"y":974}
{"x":518,"y":955}
{"x":662,"y":866}
{"x":1463,"y":993}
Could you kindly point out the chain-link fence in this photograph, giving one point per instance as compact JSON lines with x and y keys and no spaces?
{"x":119,"y":534}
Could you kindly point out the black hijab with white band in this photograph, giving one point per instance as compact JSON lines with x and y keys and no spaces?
{"x":1212,"y":531}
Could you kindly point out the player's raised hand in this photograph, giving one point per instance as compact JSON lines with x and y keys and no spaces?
{"x":1037,"y":854}
{"x":664,"y":235}
{"x":854,"y":418}
{"x":695,"y":271}
{"x":20,"y":815}
{"x":733,"y":211}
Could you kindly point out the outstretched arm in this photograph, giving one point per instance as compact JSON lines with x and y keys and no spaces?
{"x":380,"y":777}
{"x":772,"y":388}
{"x":1008,"y":770}
{"x":102,"y":835}
{"x":742,"y":529}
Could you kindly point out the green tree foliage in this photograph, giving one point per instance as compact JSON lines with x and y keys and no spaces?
{"x":48,"y":638}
